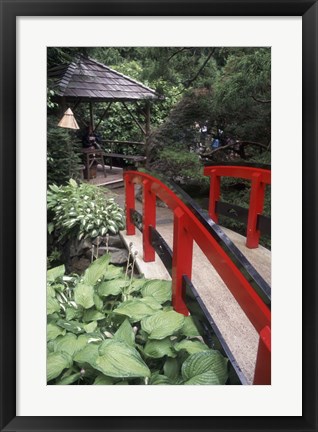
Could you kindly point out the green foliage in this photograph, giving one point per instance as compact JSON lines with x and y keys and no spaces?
{"x":242,"y":93}
{"x":50,"y":103}
{"x":134,"y":347}
{"x":63,"y":160}
{"x":180,"y":166}
{"x":82,"y":211}
{"x":53,"y":258}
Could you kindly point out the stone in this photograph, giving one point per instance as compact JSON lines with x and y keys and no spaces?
{"x":78,"y":265}
{"x":79,"y":247}
{"x":118,"y":255}
{"x":115,"y":241}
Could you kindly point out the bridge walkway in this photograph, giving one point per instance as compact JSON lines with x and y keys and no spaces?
{"x":237,"y":330}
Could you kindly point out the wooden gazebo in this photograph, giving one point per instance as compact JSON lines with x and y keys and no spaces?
{"x":88,"y":81}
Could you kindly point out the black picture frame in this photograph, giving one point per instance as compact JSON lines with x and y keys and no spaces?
{"x":9,"y":10}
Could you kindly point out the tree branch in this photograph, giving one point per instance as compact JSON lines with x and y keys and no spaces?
{"x":240,"y":143}
{"x":190,"y":81}
{"x":177,"y":52}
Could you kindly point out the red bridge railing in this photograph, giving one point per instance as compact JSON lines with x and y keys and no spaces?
{"x":259,"y":177}
{"x":217,"y":247}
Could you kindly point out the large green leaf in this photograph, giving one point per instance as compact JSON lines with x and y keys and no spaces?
{"x":119,"y":360}
{"x":70,"y":379}
{"x":125,"y":333}
{"x":55,"y":273}
{"x":71,"y":313}
{"x":171,"y":368}
{"x":103,"y":380}
{"x":96,"y":270}
{"x":52,"y":305}
{"x":137,"y":284}
{"x":157,"y":379}
{"x":112,"y":287}
{"x":113,"y":272}
{"x":152,"y":302}
{"x":72,"y":326}
{"x":159,"y":348}
{"x":189,"y":327}
{"x":53,"y":331}
{"x":206,"y":378}
{"x":162,"y":324}
{"x":98,"y":302}
{"x":191,"y":346}
{"x":159,"y":289}
{"x":70,"y":343}
{"x":87,"y":355}
{"x":50,"y":291}
{"x":134,"y":309}
{"x":205,"y":361}
{"x":84,"y":295}
{"x":89,"y":328}
{"x":93,"y":315}
{"x":56,"y":363}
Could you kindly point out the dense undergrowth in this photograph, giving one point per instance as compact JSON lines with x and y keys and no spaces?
{"x":110,"y":328}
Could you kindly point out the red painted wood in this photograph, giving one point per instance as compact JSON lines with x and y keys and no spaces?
{"x":260,"y":178}
{"x":129,"y":204}
{"x":187,"y":229}
{"x":240,"y":172}
{"x":215,"y":190}
{"x":149,"y":219}
{"x":182,"y":259}
{"x":257,"y":197}
{"x":262,"y":374}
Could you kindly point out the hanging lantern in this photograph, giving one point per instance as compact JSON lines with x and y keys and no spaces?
{"x":68,"y":120}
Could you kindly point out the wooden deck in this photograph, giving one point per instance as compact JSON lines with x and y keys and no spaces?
{"x":114,"y":177}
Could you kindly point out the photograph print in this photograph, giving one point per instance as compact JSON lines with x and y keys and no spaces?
{"x":158,"y":216}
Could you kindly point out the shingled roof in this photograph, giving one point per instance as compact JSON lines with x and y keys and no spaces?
{"x":87,"y":79}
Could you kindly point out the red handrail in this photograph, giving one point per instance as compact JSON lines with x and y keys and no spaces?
{"x":187,"y":229}
{"x":259,"y":177}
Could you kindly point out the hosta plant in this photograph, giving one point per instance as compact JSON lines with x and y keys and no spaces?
{"x":108,"y":328}
{"x":82,"y":210}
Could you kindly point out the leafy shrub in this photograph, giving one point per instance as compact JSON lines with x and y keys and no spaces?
{"x":63,"y":159}
{"x":107,"y":328}
{"x":82,"y":211}
{"x":182,"y":167}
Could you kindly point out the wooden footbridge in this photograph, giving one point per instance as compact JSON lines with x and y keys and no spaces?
{"x":219,"y":277}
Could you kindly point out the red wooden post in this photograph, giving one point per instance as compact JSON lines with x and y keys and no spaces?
{"x":256,"y":207}
{"x":181,"y":260}
{"x":215,"y":187}
{"x":129,"y":204}
{"x":149,"y":219}
{"x":262,"y":374}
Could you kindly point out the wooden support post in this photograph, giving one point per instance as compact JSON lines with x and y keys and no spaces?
{"x":147,"y":134}
{"x":262,"y":375}
{"x":149,"y":219}
{"x":134,"y":118}
{"x":103,"y":115}
{"x":257,"y":197}
{"x":181,"y":260}
{"x":76,"y":105}
{"x":91,"y":114}
{"x":129,"y":205}
{"x":215,"y":187}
